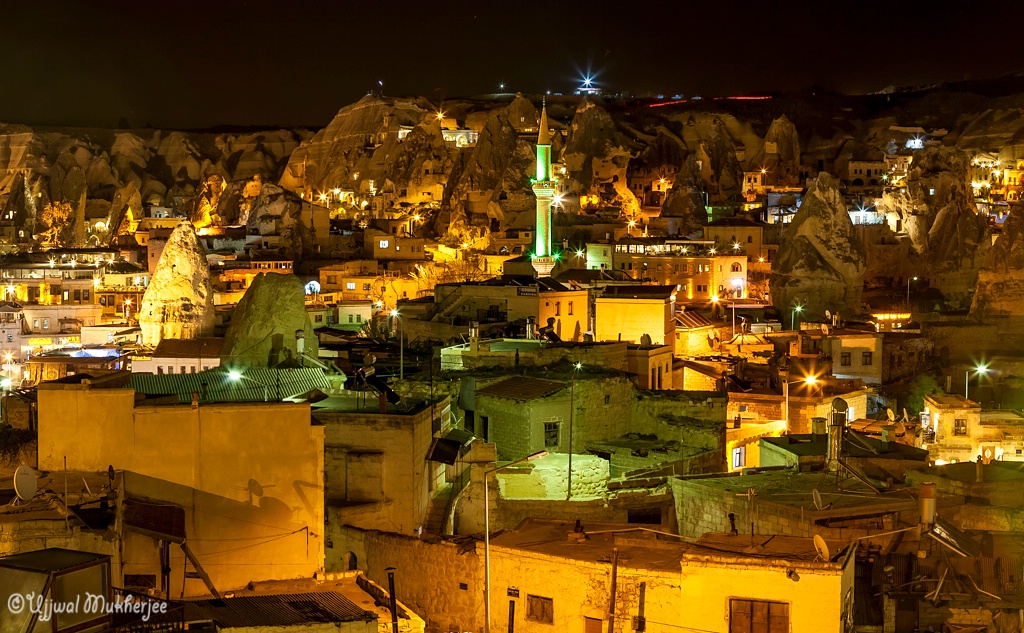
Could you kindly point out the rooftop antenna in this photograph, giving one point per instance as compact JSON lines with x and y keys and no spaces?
{"x":816,"y":496}
{"x":25,"y":484}
{"x":889,"y":414}
{"x":821,"y":547}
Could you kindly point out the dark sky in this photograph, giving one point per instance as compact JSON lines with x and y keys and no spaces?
{"x":296,"y":62}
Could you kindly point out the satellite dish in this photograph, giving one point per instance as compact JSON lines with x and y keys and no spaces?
{"x":255,"y":489}
{"x":25,"y":483}
{"x":312,"y":287}
{"x":889,"y":414}
{"x":828,"y":315}
{"x":821,"y":547}
{"x":817,"y":498}
{"x":839,"y":405}
{"x":824,"y":329}
{"x":369,"y":360}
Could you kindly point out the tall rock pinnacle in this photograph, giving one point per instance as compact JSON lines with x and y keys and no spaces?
{"x":179,"y":300}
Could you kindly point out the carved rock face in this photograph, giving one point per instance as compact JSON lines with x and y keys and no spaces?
{"x":179,"y":300}
{"x":263,"y":326}
{"x":820,"y":264}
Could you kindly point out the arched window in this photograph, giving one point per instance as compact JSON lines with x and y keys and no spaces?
{"x":736,"y":268}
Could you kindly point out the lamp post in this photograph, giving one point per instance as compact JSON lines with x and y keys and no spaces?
{"x":629,"y":227}
{"x":572,"y":410}
{"x":235,"y":376}
{"x":908,"y":289}
{"x":810,"y":380}
{"x":487,"y":533}
{"x":401,"y":343}
{"x":980,"y":370}
{"x":394,"y":599}
{"x":797,"y":309}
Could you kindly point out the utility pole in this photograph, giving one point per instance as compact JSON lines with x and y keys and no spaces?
{"x":611,"y":601}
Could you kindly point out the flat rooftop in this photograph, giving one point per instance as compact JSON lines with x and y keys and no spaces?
{"x":951,"y":400}
{"x":639,"y":547}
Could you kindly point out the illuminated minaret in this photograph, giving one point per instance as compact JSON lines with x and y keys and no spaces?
{"x":544,"y":190}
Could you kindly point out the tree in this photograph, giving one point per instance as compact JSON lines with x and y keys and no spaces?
{"x":920,"y":386}
{"x":55,"y":219}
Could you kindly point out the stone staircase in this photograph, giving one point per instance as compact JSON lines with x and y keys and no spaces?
{"x":438,"y":508}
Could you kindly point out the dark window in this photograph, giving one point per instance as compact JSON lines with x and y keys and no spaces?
{"x":756,"y":616}
{"x":960,"y":426}
{"x":551,"y":434}
{"x":540,"y":609}
{"x":607,"y":399}
{"x":844,"y":359}
{"x":649,"y":516}
{"x":865,"y":358}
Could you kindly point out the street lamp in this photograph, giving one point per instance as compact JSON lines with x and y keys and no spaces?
{"x":127,"y":310}
{"x":980,"y":370}
{"x":797,"y":309}
{"x":629,"y":229}
{"x":235,"y":376}
{"x":401,"y":343}
{"x":572,"y":410}
{"x":810,"y":380}
{"x":487,"y":533}
{"x":908,"y":289}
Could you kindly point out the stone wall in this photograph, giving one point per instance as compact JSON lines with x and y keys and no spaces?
{"x":440,"y":580}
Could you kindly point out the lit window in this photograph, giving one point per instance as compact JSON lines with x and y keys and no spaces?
{"x":960,"y":426}
{"x":739,"y":457}
{"x":351,"y":285}
{"x":384,"y":243}
{"x":46,"y":324}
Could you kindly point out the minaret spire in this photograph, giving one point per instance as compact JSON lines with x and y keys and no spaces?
{"x":544,"y":190}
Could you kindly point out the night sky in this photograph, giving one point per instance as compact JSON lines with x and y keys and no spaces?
{"x":189,"y":64}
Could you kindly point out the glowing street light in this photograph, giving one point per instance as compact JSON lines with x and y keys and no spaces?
{"x":487,"y":533}
{"x":579,"y":253}
{"x":401,"y":343}
{"x":713,"y":250}
{"x":235,"y":376}
{"x":797,"y":309}
{"x":629,"y":227}
{"x":980,"y":370}
{"x":127,"y":309}
{"x":908,"y":289}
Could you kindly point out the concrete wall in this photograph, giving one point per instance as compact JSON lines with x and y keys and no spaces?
{"x":377,"y":476}
{"x":815,"y":600}
{"x":221,"y":453}
{"x":440,"y":580}
{"x":629,"y":319}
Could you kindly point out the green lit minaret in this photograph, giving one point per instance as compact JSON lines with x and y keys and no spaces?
{"x":544,"y":190}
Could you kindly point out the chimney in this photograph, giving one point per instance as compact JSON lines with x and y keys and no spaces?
{"x":474,"y":336}
{"x":300,"y":342}
{"x":979,"y":470}
{"x":928,"y":504}
{"x":529,"y":328}
{"x":819,"y":426}
{"x":835,"y":439}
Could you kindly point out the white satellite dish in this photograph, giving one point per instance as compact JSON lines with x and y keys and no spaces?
{"x":824,"y":329}
{"x":828,"y":315}
{"x":816,"y":496}
{"x":889,"y":414}
{"x":821,"y":547}
{"x":25,"y":483}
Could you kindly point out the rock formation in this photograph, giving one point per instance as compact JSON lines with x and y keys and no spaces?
{"x":263,"y":326}
{"x":685,"y":200}
{"x":597,"y":157}
{"x":936,"y":210}
{"x":820,"y":263}
{"x":179,"y":300}
{"x":722,"y":173}
{"x":780,"y":155}
{"x":1000,"y":287}
{"x":68,"y":184}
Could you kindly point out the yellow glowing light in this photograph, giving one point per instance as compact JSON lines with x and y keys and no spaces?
{"x":632,"y":223}
{"x":712,"y":251}
{"x":810,"y":380}
{"x":714,"y":298}
{"x":416,"y":218}
{"x":440,"y":116}
{"x":96,"y":282}
{"x":336,"y":191}
{"x":735,"y":247}
{"x":661,"y":181}
{"x":465,"y":245}
{"x":760,"y":259}
{"x":8,"y":357}
{"x":323,"y":197}
{"x":127,"y":302}
{"x":763,"y":171}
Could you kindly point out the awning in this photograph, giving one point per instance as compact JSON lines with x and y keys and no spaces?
{"x":448,"y":448}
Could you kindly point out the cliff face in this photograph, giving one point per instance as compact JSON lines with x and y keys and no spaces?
{"x":780,"y":155}
{"x":1000,"y":288}
{"x":685,"y":200}
{"x":263,"y":326}
{"x":721,"y":170}
{"x":937,"y":210}
{"x":179,"y":300}
{"x":597,"y":157}
{"x":820,"y":263}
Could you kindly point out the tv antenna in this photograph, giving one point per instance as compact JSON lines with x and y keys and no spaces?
{"x":821,"y":547}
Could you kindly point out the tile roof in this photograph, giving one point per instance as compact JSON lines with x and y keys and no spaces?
{"x":321,"y":607}
{"x":256,"y":384}
{"x":521,"y":388}
{"x":189,"y":348}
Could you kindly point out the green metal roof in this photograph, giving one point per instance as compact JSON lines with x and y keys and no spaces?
{"x":216,"y":385}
